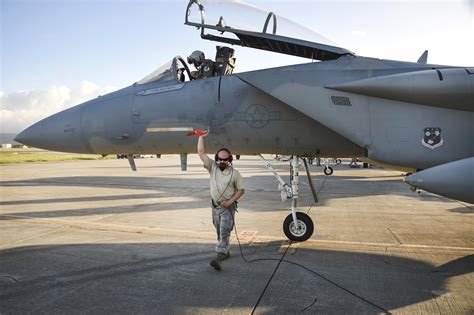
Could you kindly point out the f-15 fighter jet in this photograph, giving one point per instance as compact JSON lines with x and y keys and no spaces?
{"x":403,"y":115}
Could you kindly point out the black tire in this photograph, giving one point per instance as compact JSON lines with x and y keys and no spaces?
{"x":338,"y":161}
{"x":328,"y":170}
{"x":306,"y":225}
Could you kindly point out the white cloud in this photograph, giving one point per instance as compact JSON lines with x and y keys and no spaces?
{"x":20,"y":109}
{"x":359,"y":33}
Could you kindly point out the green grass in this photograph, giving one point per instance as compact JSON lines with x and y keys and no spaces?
{"x":20,"y":150}
{"x":47,"y":157}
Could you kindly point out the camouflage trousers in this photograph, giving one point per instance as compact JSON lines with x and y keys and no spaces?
{"x":223,"y":220}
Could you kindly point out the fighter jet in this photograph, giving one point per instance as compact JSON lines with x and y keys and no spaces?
{"x":413,"y":116}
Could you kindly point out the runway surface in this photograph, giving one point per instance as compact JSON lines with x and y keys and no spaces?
{"x":95,"y":237}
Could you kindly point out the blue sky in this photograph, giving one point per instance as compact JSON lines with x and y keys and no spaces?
{"x":102,"y":45}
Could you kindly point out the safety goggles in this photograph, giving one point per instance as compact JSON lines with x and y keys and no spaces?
{"x":221,"y":159}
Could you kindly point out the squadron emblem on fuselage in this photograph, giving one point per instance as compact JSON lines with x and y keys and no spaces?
{"x":432,"y":137}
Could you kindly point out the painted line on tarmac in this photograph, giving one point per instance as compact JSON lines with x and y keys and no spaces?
{"x":86,"y":225}
{"x":30,"y":238}
{"x":250,"y":235}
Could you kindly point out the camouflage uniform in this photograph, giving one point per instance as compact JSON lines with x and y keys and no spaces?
{"x":223,"y":220}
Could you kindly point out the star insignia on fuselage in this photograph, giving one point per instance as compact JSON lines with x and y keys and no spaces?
{"x":257,"y":116}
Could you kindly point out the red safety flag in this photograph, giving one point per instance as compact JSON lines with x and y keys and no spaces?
{"x":197,"y":132}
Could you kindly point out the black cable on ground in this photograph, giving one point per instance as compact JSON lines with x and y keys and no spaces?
{"x":271,"y":277}
{"x":305,"y":268}
{"x":280,"y":260}
{"x":312,"y":303}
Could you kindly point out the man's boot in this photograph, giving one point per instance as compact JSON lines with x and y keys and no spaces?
{"x":216,"y":263}
{"x":224,"y":256}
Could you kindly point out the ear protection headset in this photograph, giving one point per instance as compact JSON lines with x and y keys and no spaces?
{"x":216,"y":157}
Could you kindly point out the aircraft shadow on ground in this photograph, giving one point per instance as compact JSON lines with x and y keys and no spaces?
{"x":353,"y":185}
{"x":79,"y":212}
{"x":81,"y":199}
{"x":137,"y":162}
{"x":465,"y":209}
{"x":258,"y":188}
{"x":282,"y":167}
{"x":176,"y":277}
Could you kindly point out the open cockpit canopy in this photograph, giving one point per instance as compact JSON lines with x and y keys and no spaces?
{"x":238,"y":23}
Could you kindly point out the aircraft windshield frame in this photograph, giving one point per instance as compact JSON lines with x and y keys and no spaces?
{"x":203,"y":25}
{"x":166,"y":72}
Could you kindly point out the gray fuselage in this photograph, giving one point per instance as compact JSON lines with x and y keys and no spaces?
{"x":288,"y":110}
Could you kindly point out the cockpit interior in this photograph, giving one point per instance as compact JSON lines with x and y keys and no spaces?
{"x":177,"y":69}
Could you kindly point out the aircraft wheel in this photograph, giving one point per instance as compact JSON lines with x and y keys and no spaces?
{"x":328,"y":170}
{"x":338,"y":161}
{"x":299,"y":233}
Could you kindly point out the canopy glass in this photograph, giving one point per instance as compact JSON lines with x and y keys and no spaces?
{"x":174,"y":69}
{"x":242,"y":16}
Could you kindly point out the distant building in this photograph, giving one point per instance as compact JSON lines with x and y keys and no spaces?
{"x":6,"y":145}
{"x":8,"y":138}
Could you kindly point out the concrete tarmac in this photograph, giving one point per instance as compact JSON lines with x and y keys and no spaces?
{"x":95,"y":237}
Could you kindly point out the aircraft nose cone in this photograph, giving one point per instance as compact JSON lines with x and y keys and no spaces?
{"x":25,"y":137}
{"x":59,"y":132}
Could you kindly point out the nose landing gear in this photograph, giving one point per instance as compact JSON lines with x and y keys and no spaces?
{"x":297,"y":226}
{"x":302,"y":230}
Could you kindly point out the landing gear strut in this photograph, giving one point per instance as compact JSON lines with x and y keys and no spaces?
{"x":297,"y":226}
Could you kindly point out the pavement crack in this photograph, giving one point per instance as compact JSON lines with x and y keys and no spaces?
{"x":394,"y":236}
{"x":11,"y":278}
{"x":436,"y":302}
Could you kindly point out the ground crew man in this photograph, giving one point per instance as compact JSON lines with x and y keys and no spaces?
{"x":226,"y":188}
